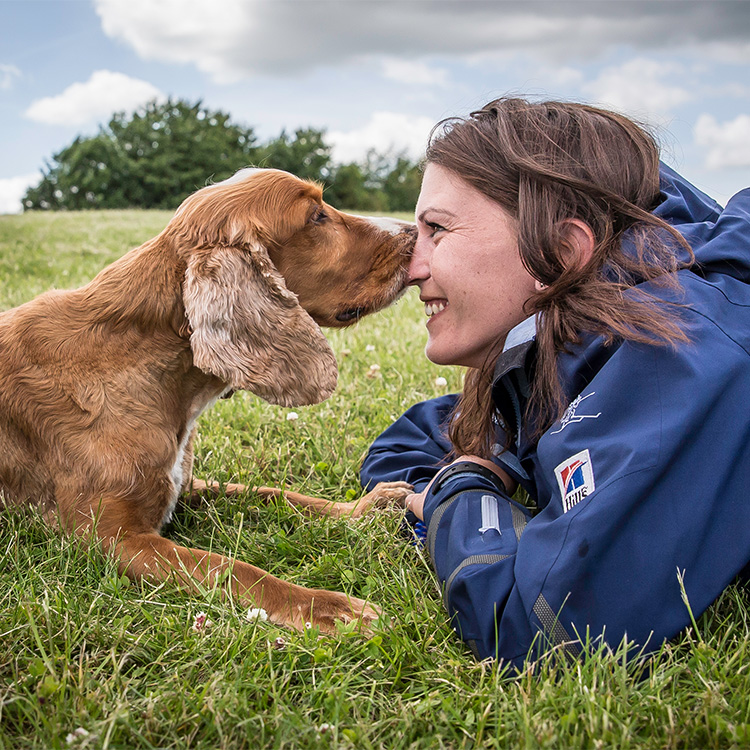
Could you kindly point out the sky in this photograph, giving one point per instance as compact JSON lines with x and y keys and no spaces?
{"x":376,"y":73}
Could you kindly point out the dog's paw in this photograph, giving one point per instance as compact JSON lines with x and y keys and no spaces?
{"x":327,"y":608}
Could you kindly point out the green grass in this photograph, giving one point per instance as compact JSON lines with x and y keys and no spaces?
{"x":82,"y":648}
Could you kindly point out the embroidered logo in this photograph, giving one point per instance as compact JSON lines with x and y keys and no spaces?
{"x":569,"y":415}
{"x":575,"y":477}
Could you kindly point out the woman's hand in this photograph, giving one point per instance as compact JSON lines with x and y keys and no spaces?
{"x":415,"y":501}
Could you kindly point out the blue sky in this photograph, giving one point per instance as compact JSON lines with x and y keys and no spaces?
{"x":376,"y":74}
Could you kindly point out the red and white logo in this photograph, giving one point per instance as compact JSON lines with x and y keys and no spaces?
{"x":575,"y":478}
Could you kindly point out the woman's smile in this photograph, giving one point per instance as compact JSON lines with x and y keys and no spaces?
{"x":434,"y":307}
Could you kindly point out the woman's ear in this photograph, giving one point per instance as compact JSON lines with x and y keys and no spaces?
{"x":249,"y":330}
{"x":579,"y":242}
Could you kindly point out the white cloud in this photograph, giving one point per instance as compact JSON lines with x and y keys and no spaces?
{"x":385,"y":132}
{"x":203,"y":32}
{"x":414,"y":72}
{"x":638,"y":87}
{"x":233,"y":39}
{"x":733,"y":54}
{"x":12,"y":189}
{"x":101,"y":96}
{"x":727,"y":144}
{"x":8,"y":74}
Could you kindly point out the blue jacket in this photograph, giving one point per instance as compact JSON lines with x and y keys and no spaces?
{"x":642,"y":489}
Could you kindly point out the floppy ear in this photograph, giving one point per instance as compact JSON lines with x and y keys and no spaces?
{"x":249,"y":330}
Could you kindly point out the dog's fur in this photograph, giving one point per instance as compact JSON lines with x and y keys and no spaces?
{"x":101,"y":387}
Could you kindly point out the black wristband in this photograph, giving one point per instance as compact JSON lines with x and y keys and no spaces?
{"x":468,"y":467}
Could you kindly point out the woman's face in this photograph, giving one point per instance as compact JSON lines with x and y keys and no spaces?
{"x":468,"y":270}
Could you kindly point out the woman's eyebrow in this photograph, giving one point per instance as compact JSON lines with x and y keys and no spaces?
{"x":438,"y":211}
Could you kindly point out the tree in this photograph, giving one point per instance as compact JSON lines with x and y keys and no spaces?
{"x":306,"y":154}
{"x":152,"y":158}
{"x":156,"y":156}
{"x":402,"y":184}
{"x":348,"y":188}
{"x":80,"y":176}
{"x":382,"y":182}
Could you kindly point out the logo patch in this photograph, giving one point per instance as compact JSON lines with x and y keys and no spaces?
{"x":575,"y":478}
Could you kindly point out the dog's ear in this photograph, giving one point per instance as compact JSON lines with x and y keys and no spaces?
{"x":249,"y":330}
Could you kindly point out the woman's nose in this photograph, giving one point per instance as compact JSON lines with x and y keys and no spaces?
{"x":419,"y":265}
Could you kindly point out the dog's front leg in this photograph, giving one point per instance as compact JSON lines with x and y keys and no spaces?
{"x":195,"y":493}
{"x":148,"y":555}
{"x":384,"y":495}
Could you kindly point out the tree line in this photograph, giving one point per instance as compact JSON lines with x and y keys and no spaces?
{"x":159,"y":154}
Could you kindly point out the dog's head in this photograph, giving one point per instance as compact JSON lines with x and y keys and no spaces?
{"x":267,"y":262}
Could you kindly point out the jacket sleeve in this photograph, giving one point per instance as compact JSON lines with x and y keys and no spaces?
{"x":416,"y":446}
{"x":413,"y":448}
{"x":642,"y":490}
{"x":473,"y":531}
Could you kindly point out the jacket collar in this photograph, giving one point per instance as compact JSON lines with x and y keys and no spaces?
{"x":512,"y":376}
{"x":524,"y":332}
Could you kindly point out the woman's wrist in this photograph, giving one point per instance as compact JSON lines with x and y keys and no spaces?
{"x":481,"y":466}
{"x":509,"y":483}
{"x":415,"y":504}
{"x":464,"y":468}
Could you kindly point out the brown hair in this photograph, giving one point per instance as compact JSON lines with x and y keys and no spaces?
{"x":546,"y":163}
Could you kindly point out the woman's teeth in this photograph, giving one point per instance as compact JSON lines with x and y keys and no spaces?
{"x":433,"y":308}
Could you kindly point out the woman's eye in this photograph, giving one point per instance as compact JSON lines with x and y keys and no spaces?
{"x":434,"y":228}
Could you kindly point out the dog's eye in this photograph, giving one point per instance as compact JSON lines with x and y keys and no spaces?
{"x":318,"y":216}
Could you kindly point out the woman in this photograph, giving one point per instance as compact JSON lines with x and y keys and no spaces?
{"x":602,"y":307}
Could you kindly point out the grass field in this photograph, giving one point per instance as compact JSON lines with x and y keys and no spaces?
{"x":88,"y":660}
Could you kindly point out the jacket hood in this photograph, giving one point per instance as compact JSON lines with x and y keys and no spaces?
{"x":720,"y":238}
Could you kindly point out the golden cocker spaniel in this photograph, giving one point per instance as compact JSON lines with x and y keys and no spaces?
{"x":101,"y":387}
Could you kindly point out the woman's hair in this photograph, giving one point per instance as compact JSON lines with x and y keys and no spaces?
{"x":545,"y":163}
